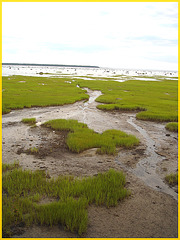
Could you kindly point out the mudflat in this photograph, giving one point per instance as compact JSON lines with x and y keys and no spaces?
{"x":150,"y":211}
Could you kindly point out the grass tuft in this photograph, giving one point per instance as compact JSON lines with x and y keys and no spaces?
{"x":6,"y":167}
{"x":30,"y":121}
{"x":172,"y":179}
{"x":172,"y":126}
{"x":33,"y":150}
{"x":81,"y":138}
{"x":110,"y":107}
{"x":23,"y":190}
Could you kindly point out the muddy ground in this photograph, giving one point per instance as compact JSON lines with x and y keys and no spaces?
{"x":151,"y":210}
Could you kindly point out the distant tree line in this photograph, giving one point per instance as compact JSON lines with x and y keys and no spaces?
{"x":49,"y":65}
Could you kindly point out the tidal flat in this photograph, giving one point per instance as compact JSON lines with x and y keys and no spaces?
{"x":138,"y":108}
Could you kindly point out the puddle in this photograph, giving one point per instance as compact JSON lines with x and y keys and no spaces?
{"x":146,"y":79}
{"x":119,"y":80}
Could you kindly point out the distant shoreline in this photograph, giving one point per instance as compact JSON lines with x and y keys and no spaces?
{"x":49,"y":65}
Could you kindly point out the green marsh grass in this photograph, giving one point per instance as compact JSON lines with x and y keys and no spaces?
{"x":23,"y":191}
{"x":25,"y":92}
{"x":6,"y":167}
{"x":30,"y":121}
{"x":172,"y":126}
{"x":172,"y":179}
{"x":155,"y":100}
{"x":81,"y":138}
{"x":33,"y":150}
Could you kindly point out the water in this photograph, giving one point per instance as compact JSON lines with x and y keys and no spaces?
{"x":88,"y":73}
{"x":146,"y":168}
{"x":146,"y":79}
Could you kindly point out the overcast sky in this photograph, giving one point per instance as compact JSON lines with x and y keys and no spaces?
{"x":117,"y":34}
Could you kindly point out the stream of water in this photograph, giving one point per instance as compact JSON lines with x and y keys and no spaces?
{"x":146,"y":168}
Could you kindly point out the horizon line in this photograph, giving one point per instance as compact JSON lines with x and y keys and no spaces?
{"x":85,"y":66}
{"x":48,"y":64}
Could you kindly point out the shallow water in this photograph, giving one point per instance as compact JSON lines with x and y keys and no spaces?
{"x":146,"y":168}
{"x":146,"y":79}
{"x":49,"y":71}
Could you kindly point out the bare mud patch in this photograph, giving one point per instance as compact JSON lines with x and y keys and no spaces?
{"x":50,"y":149}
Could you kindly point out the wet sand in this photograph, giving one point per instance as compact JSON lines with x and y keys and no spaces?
{"x":151,"y":210}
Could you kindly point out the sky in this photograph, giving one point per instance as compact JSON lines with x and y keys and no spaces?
{"x":131,"y":35}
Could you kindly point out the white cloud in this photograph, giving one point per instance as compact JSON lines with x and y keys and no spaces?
{"x":105,"y":34}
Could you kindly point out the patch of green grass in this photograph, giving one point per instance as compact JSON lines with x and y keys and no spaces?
{"x":80,"y":137}
{"x":172,"y":126}
{"x":30,"y":121}
{"x":156,"y":100}
{"x":172,"y":179}
{"x":25,"y":92}
{"x":33,"y":150}
{"x":23,"y":191}
{"x":6,"y":167}
{"x":123,"y":108}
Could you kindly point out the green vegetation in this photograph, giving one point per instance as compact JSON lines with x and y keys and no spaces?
{"x":172,"y":179}
{"x":24,"y":92}
{"x":157,"y":100}
{"x":80,"y":137}
{"x":30,"y":121}
{"x":6,"y":167}
{"x":120,"y":108}
{"x":33,"y":150}
{"x":24,"y":190}
{"x":172,"y":126}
